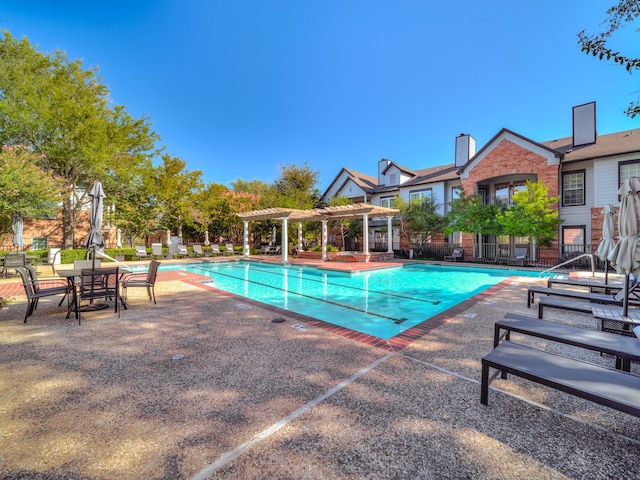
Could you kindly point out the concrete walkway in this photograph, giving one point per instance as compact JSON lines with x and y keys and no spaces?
{"x":205,"y":385}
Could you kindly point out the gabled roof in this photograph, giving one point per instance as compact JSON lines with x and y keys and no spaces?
{"x":606,"y":145}
{"x":441,"y":173}
{"x":399,"y":167}
{"x":495,"y":137}
{"x":366,"y":182}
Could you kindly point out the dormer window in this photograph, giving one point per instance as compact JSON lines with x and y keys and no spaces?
{"x":392,"y":179}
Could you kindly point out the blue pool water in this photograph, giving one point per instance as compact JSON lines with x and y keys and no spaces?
{"x":382,"y":303}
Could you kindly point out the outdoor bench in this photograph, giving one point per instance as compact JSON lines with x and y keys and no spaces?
{"x":575,"y":294}
{"x":625,"y":349}
{"x":605,"y":386}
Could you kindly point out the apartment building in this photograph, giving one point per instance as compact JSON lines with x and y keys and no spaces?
{"x":584,"y":170}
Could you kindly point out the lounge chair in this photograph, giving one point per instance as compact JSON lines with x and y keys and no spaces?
{"x":141,"y":279}
{"x":182,"y":251}
{"x":33,"y":296}
{"x":197,"y":251}
{"x":520,"y":256}
{"x":141,"y":252}
{"x":229,"y":249}
{"x":588,"y":296}
{"x":457,"y":253}
{"x":637,"y":331}
{"x":156,"y":250}
{"x":215,"y":250}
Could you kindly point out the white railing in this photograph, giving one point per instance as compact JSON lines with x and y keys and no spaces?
{"x":589,"y":255}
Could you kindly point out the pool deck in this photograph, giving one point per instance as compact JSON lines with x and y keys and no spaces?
{"x":254,"y":399}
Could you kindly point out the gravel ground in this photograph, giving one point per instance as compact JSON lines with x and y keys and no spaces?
{"x":253,"y":399}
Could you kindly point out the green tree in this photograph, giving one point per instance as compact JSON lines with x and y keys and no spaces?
{"x":532,"y":215}
{"x":61,"y":110}
{"x":469,"y":214}
{"x":296,"y":187}
{"x":625,"y":11}
{"x":343,"y":225}
{"x":25,"y":188}
{"x":175,"y":190}
{"x":422,"y":219}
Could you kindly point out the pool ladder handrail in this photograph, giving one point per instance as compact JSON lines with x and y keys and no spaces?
{"x":590,"y":255}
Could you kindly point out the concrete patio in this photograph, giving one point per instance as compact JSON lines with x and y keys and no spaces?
{"x":205,"y":385}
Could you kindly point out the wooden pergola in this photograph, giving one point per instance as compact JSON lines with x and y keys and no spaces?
{"x":342,"y":212}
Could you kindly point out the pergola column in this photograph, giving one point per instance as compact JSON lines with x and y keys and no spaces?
{"x":389,"y":235}
{"x":365,"y":233}
{"x":245,"y":241}
{"x":324,"y":240}
{"x":299,"y":236}
{"x":284,"y":241}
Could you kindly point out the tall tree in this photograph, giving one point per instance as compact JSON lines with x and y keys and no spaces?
{"x":532,"y":214}
{"x":419,"y":219}
{"x":60,"y":109}
{"x":625,"y":11}
{"x":296,"y":187}
{"x":176,"y":189}
{"x":25,"y":188}
{"x":470,"y":214}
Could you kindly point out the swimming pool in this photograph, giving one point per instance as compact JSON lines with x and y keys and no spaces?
{"x":382,"y":303}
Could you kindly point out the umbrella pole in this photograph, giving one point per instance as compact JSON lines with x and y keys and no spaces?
{"x":606,"y":272}
{"x":625,"y":301}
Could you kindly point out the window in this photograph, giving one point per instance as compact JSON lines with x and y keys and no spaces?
{"x":392,"y":179}
{"x":455,"y":192}
{"x":573,"y":188}
{"x":419,"y":196}
{"x":573,"y":241}
{"x":627,"y":170}
{"x":39,"y":243}
{"x":502,"y":193}
{"x":389,"y":202}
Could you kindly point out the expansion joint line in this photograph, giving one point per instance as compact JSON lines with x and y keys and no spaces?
{"x":231,"y":455}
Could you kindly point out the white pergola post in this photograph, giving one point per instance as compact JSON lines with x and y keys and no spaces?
{"x":299,"y":236}
{"x":284,"y":241}
{"x":389,"y":234}
{"x":324,"y":240}
{"x":245,"y":241}
{"x":365,"y":233}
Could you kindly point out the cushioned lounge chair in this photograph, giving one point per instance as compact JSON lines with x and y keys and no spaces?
{"x":182,"y":251}
{"x":229,"y":249}
{"x":141,"y":252}
{"x":156,"y":250}
{"x":197,"y":251}
{"x":215,"y":250}
{"x":457,"y":253}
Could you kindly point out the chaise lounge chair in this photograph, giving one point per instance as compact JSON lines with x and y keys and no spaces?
{"x":156,"y":250}
{"x":182,"y":251}
{"x":215,"y":250}
{"x":521,"y":255}
{"x":457,"y":253}
{"x":197,"y":251}
{"x":141,"y":252}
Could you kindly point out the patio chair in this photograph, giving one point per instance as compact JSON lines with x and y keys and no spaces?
{"x":228,"y":249}
{"x":457,"y":253}
{"x":80,"y":264}
{"x":141,"y":252}
{"x":34,"y":295}
{"x":141,"y":279}
{"x":636,"y":331}
{"x":215,"y":250}
{"x":156,"y":250}
{"x":53,"y":259}
{"x":520,"y":256}
{"x":182,"y":251}
{"x":95,"y":284}
{"x":13,"y":260}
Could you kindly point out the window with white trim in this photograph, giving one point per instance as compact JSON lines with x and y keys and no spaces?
{"x":420,"y":195}
{"x":573,"y":188}
{"x":389,"y":202}
{"x":627,"y":170}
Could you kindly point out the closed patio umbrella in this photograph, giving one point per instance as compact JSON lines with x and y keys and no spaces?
{"x":206,"y":238}
{"x":625,"y":256}
{"x":607,"y":243}
{"x":17,"y":225}
{"x":95,"y":240}
{"x":118,"y":238}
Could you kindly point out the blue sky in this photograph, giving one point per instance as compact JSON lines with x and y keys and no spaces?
{"x":237,"y":88}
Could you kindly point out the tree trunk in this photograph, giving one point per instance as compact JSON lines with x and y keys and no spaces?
{"x":69,"y":222}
